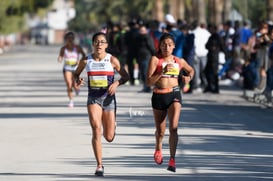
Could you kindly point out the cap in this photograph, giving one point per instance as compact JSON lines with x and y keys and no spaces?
{"x":170,"y":19}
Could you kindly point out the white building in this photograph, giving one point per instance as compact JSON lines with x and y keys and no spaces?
{"x":57,"y":18}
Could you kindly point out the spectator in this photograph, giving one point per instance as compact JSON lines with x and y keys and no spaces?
{"x":262,"y":45}
{"x":245,"y":34}
{"x":177,"y":34}
{"x":249,"y":69}
{"x":155,"y":33}
{"x":214,"y":46}
{"x":145,"y":50}
{"x":130,"y":42}
{"x":201,"y":35}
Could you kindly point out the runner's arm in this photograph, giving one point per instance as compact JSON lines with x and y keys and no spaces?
{"x":152,"y":78}
{"x":79,"y":70}
{"x":61,"y":55}
{"x":188,"y":69}
{"x":124,"y":77}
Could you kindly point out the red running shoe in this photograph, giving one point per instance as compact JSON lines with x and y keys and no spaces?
{"x":171,"y":166}
{"x":158,"y":157}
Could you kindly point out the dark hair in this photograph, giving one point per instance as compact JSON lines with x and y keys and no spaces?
{"x":68,"y":34}
{"x":98,"y":34}
{"x":166,"y":36}
{"x":162,"y":38}
{"x":212,"y":28}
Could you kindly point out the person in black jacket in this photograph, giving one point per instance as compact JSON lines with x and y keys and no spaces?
{"x":130,"y":42}
{"x":145,"y":50}
{"x":215,"y":45}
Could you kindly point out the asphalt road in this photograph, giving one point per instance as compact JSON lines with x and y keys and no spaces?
{"x":221,"y":137}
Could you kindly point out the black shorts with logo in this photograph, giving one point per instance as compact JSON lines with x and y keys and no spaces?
{"x":163,"y":101}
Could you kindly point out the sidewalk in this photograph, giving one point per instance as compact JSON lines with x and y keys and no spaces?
{"x":221,"y":137}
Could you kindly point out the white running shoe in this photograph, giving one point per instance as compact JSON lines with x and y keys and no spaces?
{"x":71,"y":104}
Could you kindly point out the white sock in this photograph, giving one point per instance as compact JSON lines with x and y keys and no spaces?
{"x":136,"y":71}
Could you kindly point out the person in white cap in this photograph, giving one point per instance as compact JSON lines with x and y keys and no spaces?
{"x":179,"y":37}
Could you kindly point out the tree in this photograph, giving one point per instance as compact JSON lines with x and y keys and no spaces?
{"x":200,"y":10}
{"x":253,"y":10}
{"x":226,"y":9}
{"x":93,"y":14}
{"x":10,"y":19}
{"x":158,"y":10}
{"x":270,"y":10}
{"x":216,"y":9}
{"x":12,"y":13}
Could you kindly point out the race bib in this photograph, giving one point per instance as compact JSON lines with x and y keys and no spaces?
{"x":70,"y":61}
{"x":98,"y":81}
{"x":174,"y":71}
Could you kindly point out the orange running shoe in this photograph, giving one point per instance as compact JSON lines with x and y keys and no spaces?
{"x":158,"y":157}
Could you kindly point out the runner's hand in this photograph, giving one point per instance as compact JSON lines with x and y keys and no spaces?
{"x":112,"y":88}
{"x":80,"y":82}
{"x":186,"y":79}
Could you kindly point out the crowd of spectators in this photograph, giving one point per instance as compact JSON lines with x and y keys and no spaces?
{"x":232,"y":52}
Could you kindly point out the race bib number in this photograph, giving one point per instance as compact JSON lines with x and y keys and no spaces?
{"x":173,"y":71}
{"x":98,"y":81}
{"x":70,"y":61}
